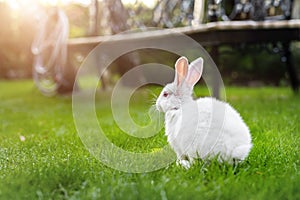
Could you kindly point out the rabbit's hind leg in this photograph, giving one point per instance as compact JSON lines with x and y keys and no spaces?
{"x":241,"y":152}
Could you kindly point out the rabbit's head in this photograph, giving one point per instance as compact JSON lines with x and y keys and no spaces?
{"x":180,"y":91}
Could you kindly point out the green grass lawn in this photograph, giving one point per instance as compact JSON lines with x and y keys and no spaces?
{"x":52,"y":162}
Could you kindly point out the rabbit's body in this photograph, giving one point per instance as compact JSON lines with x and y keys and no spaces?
{"x":205,"y":136}
{"x":202,"y":128}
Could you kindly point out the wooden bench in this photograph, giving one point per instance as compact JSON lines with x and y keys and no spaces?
{"x":216,"y":33}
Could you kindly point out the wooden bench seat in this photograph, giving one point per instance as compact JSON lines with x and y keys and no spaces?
{"x":291,"y":26}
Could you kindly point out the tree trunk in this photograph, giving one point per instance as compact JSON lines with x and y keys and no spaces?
{"x":118,"y":21}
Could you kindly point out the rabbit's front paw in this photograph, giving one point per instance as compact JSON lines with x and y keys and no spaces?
{"x":184,"y":163}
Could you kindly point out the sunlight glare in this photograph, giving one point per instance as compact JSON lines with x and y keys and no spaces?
{"x":17,"y":4}
{"x":65,"y":2}
{"x":148,"y":3}
{"x":13,"y":4}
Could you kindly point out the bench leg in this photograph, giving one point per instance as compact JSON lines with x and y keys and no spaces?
{"x":216,"y":81}
{"x":287,"y":59}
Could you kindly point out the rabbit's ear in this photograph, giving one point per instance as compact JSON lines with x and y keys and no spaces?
{"x":195,"y":72}
{"x":181,"y":67}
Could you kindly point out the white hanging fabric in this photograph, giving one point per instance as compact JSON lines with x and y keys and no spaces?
{"x":50,"y":51}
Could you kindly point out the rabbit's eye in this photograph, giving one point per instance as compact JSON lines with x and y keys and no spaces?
{"x":165,"y":94}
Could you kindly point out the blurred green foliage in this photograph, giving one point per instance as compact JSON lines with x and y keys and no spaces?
{"x":17,"y":30}
{"x":256,"y":66}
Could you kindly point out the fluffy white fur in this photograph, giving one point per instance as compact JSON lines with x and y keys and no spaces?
{"x":202,"y":128}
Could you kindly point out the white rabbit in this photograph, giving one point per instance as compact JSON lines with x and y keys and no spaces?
{"x":204,"y":128}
